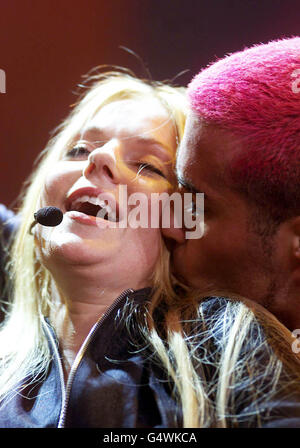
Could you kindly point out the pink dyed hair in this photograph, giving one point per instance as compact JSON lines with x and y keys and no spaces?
{"x":255,"y":94}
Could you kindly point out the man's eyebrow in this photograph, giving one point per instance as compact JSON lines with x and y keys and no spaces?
{"x":189,"y":186}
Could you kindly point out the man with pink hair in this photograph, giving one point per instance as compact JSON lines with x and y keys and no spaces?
{"x":242,"y":149}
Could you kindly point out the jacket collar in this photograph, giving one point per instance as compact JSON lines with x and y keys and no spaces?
{"x":111,"y":324}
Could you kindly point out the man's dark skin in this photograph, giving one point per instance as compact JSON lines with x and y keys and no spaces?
{"x":232,"y":256}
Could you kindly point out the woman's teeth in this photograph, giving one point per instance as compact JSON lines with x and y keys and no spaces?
{"x":101,"y":209}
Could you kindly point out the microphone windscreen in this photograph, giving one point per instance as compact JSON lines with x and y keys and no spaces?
{"x":49,"y":216}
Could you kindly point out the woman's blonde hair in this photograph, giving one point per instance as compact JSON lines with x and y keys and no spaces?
{"x":23,"y":348}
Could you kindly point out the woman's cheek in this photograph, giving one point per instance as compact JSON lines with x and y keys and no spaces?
{"x":57,"y":183}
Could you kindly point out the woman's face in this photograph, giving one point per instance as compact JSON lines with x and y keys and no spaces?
{"x":128,"y":147}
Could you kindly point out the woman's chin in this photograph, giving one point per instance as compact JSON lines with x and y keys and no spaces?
{"x":70,"y":248}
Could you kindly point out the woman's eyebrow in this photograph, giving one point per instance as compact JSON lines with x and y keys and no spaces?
{"x":150,"y":141}
{"x":91,"y":133}
{"x":156,"y":147}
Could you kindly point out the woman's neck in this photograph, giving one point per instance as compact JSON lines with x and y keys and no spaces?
{"x":76,"y":310}
{"x":73,"y":322}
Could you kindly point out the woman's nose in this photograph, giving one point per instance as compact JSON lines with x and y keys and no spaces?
{"x":102,"y":163}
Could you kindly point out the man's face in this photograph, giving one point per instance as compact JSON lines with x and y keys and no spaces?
{"x":230,"y":256}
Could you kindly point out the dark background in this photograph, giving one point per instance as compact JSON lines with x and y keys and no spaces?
{"x":46,"y":45}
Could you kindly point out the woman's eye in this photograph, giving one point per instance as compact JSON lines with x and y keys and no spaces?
{"x":77,"y":151}
{"x":149,"y":168}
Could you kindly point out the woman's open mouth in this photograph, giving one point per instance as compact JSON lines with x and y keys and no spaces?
{"x":93,"y":205}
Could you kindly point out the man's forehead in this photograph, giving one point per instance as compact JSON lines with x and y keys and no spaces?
{"x":186,"y":153}
{"x":205,"y":153}
{"x":187,"y":160}
{"x":192,"y":148}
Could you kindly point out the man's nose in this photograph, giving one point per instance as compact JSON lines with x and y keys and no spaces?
{"x":103,"y":163}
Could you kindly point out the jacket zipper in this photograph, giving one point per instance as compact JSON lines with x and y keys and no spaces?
{"x":66,"y":391}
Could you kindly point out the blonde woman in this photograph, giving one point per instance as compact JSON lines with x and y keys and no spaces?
{"x":96,"y":335}
{"x":122,"y":133}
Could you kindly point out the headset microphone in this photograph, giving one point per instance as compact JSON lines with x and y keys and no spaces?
{"x":47,"y":216}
